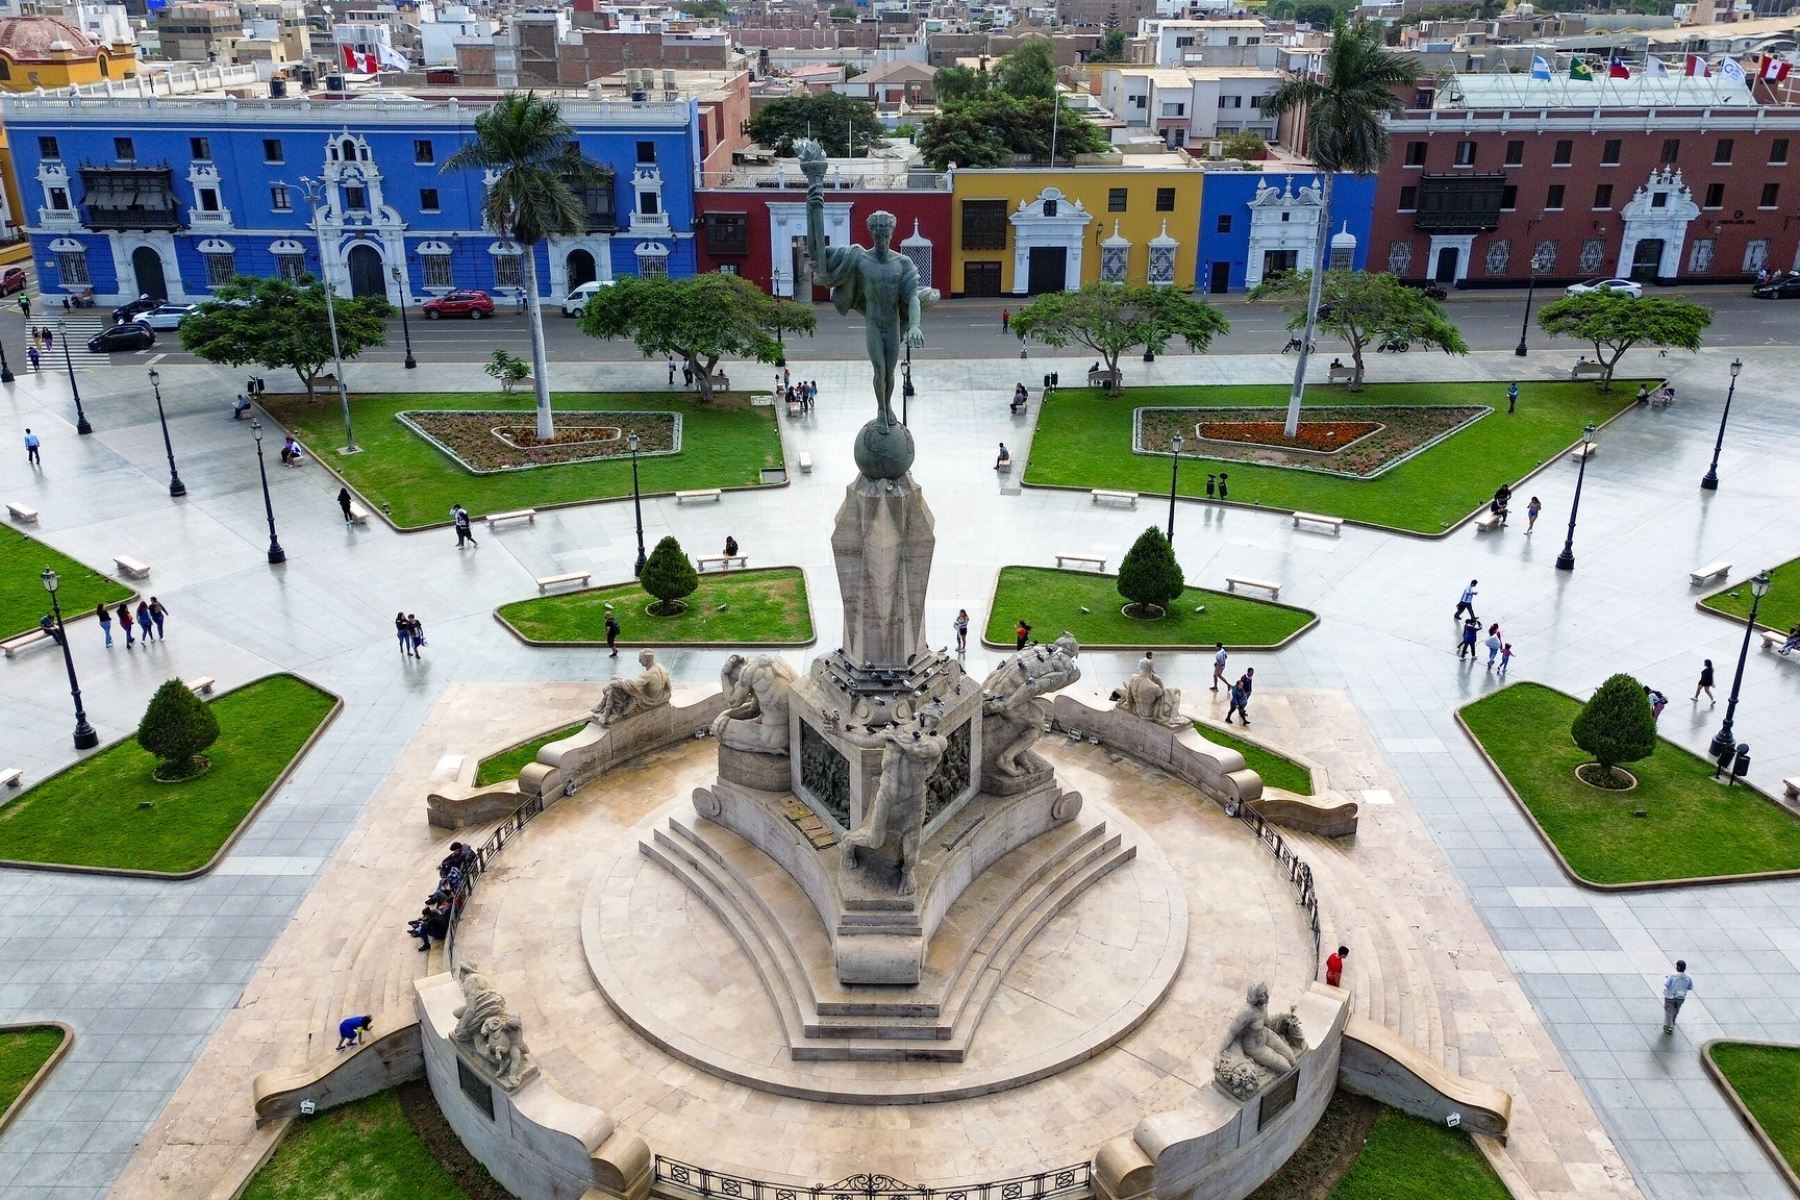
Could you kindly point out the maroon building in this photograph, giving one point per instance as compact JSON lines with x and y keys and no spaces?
{"x":1657,"y":179}
{"x":760,"y":232}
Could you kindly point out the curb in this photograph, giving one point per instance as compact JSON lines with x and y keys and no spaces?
{"x":1776,"y":1158}
{"x":43,"y":1072}
{"x":591,"y":644}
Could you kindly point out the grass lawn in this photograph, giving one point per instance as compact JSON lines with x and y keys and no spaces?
{"x":1767,"y":1080}
{"x":22,"y":596}
{"x":1083,"y":439}
{"x":498,"y":768}
{"x":1276,"y":770}
{"x":22,"y":1053}
{"x":1780,"y":609}
{"x":365,"y":1150}
{"x":1409,"y":1159}
{"x":1051,"y":601}
{"x":91,"y":814}
{"x":721,"y":447}
{"x":766,"y":607}
{"x":1694,"y":828}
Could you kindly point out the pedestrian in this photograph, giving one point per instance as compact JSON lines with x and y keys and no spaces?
{"x":158,"y":614}
{"x":1793,"y":641}
{"x":416,"y":633}
{"x":344,"y":504}
{"x":31,"y":448}
{"x":1240,"y":696}
{"x":105,"y":623}
{"x":1467,"y":603}
{"x":671,"y":370}
{"x":240,"y":406}
{"x":125,"y":624}
{"x":687,"y":375}
{"x":1512,"y":397}
{"x":1657,"y":700}
{"x":459,"y":517}
{"x":1643,"y":396}
{"x":1706,"y":684}
{"x":25,"y":305}
{"x":403,"y":633}
{"x":143,"y":621}
{"x":31,"y":356}
{"x":351,"y":1029}
{"x":1224,"y":490}
{"x":1506,"y":653}
{"x":1005,"y":320}
{"x":1531,"y":514}
{"x":731,"y":546}
{"x":612,"y":634}
{"x":1334,"y":967}
{"x":1675,"y":993}
{"x":1219,"y":657}
{"x":1003,"y":460}
{"x":1466,"y":644}
{"x":787,"y":379}
{"x":961,"y":625}
{"x":49,"y":339}
{"x":1494,"y":645}
{"x":1021,"y":635}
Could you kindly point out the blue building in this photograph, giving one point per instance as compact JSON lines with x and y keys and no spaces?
{"x":133,"y":194}
{"x":1254,"y":224}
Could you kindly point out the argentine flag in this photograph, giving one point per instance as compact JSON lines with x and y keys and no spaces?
{"x":1540,"y":67}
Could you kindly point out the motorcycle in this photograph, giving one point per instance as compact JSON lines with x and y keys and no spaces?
{"x":1433,"y":291}
{"x":1394,"y":345}
{"x":1293,"y":343}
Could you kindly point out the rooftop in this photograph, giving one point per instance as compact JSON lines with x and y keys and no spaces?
{"x":33,"y":39}
{"x":1464,"y":92}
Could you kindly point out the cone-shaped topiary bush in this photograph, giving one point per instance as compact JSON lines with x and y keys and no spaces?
{"x":668,"y":576}
{"x":1149,"y":576}
{"x":176,"y":727}
{"x":1616,"y":724}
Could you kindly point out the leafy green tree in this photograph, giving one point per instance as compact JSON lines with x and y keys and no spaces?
{"x":1112,"y":318}
{"x":1149,"y":576}
{"x":844,"y":125}
{"x":281,"y":324}
{"x":843,"y":12}
{"x":668,"y":576}
{"x":700,"y":320}
{"x":536,"y":163}
{"x":1343,"y":112}
{"x":706,"y":10}
{"x":1027,"y":72}
{"x":1111,"y":48}
{"x":1246,"y":145}
{"x":1613,"y":323}
{"x":176,"y":728}
{"x":509,"y":369}
{"x":1365,"y":310}
{"x":993,"y":129}
{"x":951,"y":84}
{"x":1616,"y":724}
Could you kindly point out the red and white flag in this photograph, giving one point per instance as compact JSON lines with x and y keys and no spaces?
{"x":1697,"y":66}
{"x":355,"y":60}
{"x":1773,"y":69}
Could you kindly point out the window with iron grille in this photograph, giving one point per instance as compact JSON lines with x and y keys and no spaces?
{"x":984,"y":225}
{"x":220,"y":267}
{"x":290,"y":266}
{"x":655,"y":267}
{"x":437,"y":270}
{"x":1165,"y":199}
{"x":727,"y":232}
{"x":1116,"y":199}
{"x":71,"y":266}
{"x":507,"y":270}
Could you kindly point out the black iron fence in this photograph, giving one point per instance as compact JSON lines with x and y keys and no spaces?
{"x":509,"y":828}
{"x":1298,"y":873}
{"x":1067,"y":1183}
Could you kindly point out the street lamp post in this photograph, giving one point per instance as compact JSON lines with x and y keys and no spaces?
{"x":637,"y":504}
{"x":85,"y":737}
{"x":1724,"y":739}
{"x":176,"y":487}
{"x":405,"y":326}
{"x":1174,"y":475}
{"x":276,"y":553}
{"x":315,"y":193}
{"x":1710,"y":482}
{"x":1537,"y":264}
{"x":1566,"y":560}
{"x":81,"y":421}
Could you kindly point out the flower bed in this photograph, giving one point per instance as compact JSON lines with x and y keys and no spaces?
{"x":1318,"y":437}
{"x":487,"y":441}
{"x":1369,"y":439}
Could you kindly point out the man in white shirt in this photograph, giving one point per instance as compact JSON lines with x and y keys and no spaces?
{"x":1675,"y":993}
{"x":1219,"y":658}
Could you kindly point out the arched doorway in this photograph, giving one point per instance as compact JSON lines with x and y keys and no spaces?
{"x":366,"y":278}
{"x":580,"y":268}
{"x":1447,"y":261}
{"x":147,"y":265}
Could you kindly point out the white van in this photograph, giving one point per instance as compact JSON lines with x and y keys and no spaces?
{"x":577,"y":299}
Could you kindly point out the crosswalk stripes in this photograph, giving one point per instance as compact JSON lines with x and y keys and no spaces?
{"x":80,"y":327}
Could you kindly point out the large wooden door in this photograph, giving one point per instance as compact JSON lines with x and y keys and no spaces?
{"x":981,"y":279}
{"x":1049,"y":269}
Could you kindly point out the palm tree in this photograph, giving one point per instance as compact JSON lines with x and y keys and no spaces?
{"x":531,"y":159}
{"x":1343,"y":110}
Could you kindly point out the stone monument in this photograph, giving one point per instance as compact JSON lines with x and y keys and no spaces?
{"x":627,"y":697}
{"x":490,"y":1033}
{"x":1257,"y":1051}
{"x":1145,"y":695}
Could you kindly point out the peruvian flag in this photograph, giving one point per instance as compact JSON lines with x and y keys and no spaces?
{"x":1773,"y":69}
{"x":1696,"y":66}
{"x":362,"y":63}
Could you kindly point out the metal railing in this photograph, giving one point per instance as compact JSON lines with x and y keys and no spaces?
{"x":510,"y":827}
{"x":1298,"y":873}
{"x":1069,"y":1183}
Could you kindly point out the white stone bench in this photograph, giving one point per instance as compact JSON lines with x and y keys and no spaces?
{"x":722,"y":561}
{"x":25,"y":641}
{"x":24,"y":514}
{"x":1099,"y":494}
{"x":1341,"y":374}
{"x":1582,"y":369}
{"x":804,"y":461}
{"x":722,"y":381}
{"x":527,"y":515}
{"x":1233,"y":582}
{"x":1101,"y":378}
{"x":131,"y":566}
{"x":1003,"y":465}
{"x":1712,"y":570}
{"x":795,"y":408}
{"x":11,"y":777}
{"x":1487,"y":522}
{"x":203,"y":686}
{"x":1790,"y":786}
{"x":358,"y":514}
{"x":1099,"y":564}
{"x":700,"y":494}
{"x":1336,"y":523}
{"x":1774,"y":639}
{"x":1585,"y":450}
{"x":549,"y":581}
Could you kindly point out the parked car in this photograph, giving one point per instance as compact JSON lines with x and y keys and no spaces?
{"x":129,"y":312}
{"x":576,"y":302}
{"x":134,"y":335}
{"x":13,"y":281}
{"x":471,"y":304}
{"x":1781,"y":287}
{"x":1624,"y":287}
{"x":165,"y":316}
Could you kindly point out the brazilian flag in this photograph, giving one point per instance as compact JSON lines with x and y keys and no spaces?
{"x":1580,"y":70}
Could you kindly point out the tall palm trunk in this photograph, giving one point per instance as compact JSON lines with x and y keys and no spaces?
{"x":1312,"y":302}
{"x":540,"y":360}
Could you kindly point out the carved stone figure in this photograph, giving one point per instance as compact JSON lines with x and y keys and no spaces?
{"x":1012,"y":712}
{"x":1145,"y":695}
{"x":1257,"y":1051}
{"x":491,"y":1032}
{"x":625,"y":697}
{"x":756,"y":700}
{"x":885,"y":846}
{"x":503,"y":1043}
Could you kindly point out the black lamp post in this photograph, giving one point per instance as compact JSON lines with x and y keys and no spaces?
{"x":405,"y":327}
{"x":1566,"y":560}
{"x":637,"y":504}
{"x":1537,"y":264}
{"x":1724,"y":739}
{"x":276,"y":553}
{"x":1711,"y":481}
{"x":1174,"y":475}
{"x":85,"y":737}
{"x":81,"y":421}
{"x":176,"y":487}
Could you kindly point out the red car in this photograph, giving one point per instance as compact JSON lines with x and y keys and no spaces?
{"x":12,"y":281}
{"x":471,"y":304}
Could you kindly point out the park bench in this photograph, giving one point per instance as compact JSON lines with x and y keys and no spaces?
{"x":699,"y":494}
{"x":804,"y":460}
{"x":1341,"y":374}
{"x":1336,"y":523}
{"x":1100,"y":494}
{"x":130,"y":566}
{"x":723,"y":561}
{"x":25,"y":641}
{"x":1585,"y":450}
{"x":1488,"y":522}
{"x":24,"y":514}
{"x":358,"y":514}
{"x":527,"y":515}
{"x":11,"y":777}
{"x":203,"y":686}
{"x":1712,"y":570}
{"x":549,"y":581}
{"x":1003,"y":465}
{"x":1104,"y":379}
{"x":795,"y":408}
{"x":1774,"y":639}
{"x":1582,"y":369}
{"x":1099,"y":564}
{"x":1789,"y":786}
{"x":1233,"y":582}
{"x":721,"y":380}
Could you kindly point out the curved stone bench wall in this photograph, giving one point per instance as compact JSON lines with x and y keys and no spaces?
{"x":386,"y":1057}
{"x":592,"y":751}
{"x":1381,"y":1065}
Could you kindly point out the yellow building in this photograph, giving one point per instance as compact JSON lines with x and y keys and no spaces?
{"x":45,"y":52}
{"x":1018,"y":232}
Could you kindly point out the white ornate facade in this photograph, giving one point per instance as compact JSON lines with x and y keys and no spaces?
{"x":1050,"y":222}
{"x":1284,"y":230}
{"x":1656,"y":223}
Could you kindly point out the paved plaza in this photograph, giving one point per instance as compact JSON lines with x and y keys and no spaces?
{"x":147,"y":971}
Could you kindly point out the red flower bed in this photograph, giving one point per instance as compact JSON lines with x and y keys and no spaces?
{"x":474,"y":436}
{"x":1312,"y":435}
